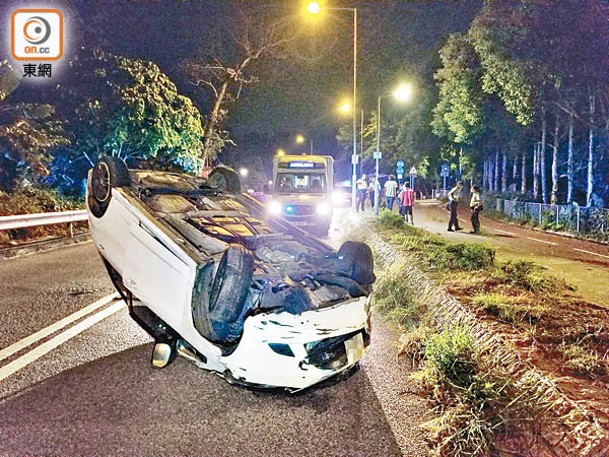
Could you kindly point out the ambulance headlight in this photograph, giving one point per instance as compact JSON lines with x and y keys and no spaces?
{"x":323,"y":209}
{"x":274,"y":208}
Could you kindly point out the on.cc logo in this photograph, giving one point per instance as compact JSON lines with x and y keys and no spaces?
{"x":36,"y":34}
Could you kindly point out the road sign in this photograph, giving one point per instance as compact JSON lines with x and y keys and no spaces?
{"x":445,"y":172}
{"x":400,"y":176}
{"x":413,"y":170}
{"x":354,"y":159}
{"x":377,"y":155}
{"x":400,"y":170}
{"x":400,"y":164}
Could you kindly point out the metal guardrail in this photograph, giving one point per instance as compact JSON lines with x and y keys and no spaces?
{"x":21,"y":221}
{"x":572,"y":218}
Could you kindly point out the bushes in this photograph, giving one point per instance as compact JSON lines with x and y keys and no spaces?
{"x":470,"y":257}
{"x":529,"y":276}
{"x":393,"y":297}
{"x":35,"y":200}
{"x":389,"y":219}
{"x":27,"y":200}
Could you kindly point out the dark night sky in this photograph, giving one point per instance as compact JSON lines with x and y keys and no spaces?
{"x":397,"y":39}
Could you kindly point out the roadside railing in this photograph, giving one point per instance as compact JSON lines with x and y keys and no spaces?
{"x":22,"y":221}
{"x":571,"y":218}
{"x":438,"y":193}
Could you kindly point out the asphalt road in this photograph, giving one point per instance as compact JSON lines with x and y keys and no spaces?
{"x":87,"y":388}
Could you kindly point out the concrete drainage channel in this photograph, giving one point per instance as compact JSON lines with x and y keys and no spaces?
{"x":573,"y":430}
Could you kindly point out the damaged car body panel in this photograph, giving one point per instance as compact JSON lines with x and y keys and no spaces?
{"x":208,"y":274}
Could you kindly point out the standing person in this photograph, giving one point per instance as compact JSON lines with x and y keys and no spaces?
{"x":476,"y":206}
{"x":407,"y":199}
{"x":361,"y":186}
{"x":453,"y":202}
{"x":391,"y":190}
{"x":375,"y":186}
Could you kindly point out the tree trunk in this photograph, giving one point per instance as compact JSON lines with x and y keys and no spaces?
{"x":484,"y":173}
{"x":211,"y":124}
{"x":536,"y":172}
{"x":570,"y":162}
{"x":555,"y":162}
{"x":542,"y":154}
{"x":496,"y":176}
{"x":515,"y":171}
{"x":490,"y":175}
{"x":504,"y":173}
{"x":590,"y":154}
{"x":523,"y":186}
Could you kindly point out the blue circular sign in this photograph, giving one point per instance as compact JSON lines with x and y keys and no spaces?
{"x":400,"y":164}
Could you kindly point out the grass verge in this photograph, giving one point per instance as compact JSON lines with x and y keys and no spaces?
{"x":479,"y":407}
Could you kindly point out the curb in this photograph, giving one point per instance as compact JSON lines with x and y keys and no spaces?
{"x":42,"y":246}
{"x":574,"y":431}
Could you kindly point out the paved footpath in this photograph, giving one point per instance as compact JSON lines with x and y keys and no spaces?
{"x":581,"y":263}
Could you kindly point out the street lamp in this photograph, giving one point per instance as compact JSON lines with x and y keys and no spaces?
{"x":401,"y":94}
{"x":301,"y":139}
{"x":243,"y":172}
{"x":315,"y":8}
{"x":346,"y":108}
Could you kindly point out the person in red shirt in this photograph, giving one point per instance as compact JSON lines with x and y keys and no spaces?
{"x":406,"y":198}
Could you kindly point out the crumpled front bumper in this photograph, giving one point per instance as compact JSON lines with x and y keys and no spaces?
{"x":298,"y":351}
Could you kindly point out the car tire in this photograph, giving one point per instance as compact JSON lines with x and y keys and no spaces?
{"x":357,"y":262}
{"x":108,"y":172}
{"x":222,"y":321}
{"x":226,"y":179}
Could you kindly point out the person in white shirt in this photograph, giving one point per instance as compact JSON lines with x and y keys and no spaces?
{"x":362,"y":187}
{"x":391,"y":189}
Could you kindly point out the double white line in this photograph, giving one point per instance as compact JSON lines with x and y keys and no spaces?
{"x":57,"y":340}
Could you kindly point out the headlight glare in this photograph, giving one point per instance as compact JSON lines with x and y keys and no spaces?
{"x":323,"y":208}
{"x":274,"y":208}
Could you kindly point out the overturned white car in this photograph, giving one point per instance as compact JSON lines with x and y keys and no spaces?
{"x":211,"y":277}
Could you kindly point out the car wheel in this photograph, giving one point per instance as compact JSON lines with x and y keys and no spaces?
{"x":107,"y":173}
{"x":225,"y":178}
{"x":358,"y":262}
{"x":223,"y":321}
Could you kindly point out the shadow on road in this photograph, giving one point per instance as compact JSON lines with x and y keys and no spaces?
{"x":183,"y":410}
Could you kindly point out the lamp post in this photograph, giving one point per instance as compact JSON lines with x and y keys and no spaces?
{"x":301,"y":139}
{"x":401,"y":94}
{"x":314,"y":8}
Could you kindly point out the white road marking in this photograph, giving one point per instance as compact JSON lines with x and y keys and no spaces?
{"x":28,"y":340}
{"x":56,"y":341}
{"x":542,"y":241}
{"x":505,"y":232}
{"x":593,"y":253}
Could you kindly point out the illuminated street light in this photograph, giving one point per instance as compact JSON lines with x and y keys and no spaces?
{"x":315,"y":8}
{"x":301,"y":139}
{"x":243,"y":172}
{"x":345,"y":107}
{"x":402,"y":94}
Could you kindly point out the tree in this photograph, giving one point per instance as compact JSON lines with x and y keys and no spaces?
{"x":28,"y":134}
{"x":227,"y":71}
{"x":130,"y":109}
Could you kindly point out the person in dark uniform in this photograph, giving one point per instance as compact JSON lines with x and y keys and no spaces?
{"x":453,"y":202}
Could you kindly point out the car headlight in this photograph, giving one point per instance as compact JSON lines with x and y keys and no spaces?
{"x":323,"y":209}
{"x":337,"y":198}
{"x":274,"y":208}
